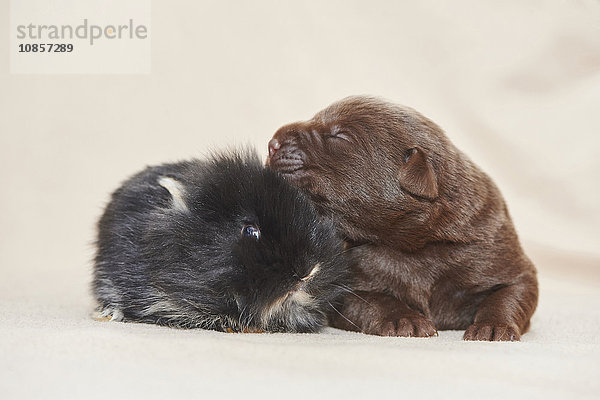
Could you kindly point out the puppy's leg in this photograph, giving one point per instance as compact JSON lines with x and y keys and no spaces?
{"x":505,"y":314}
{"x":380,"y":314}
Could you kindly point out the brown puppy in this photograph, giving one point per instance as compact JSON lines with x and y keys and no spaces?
{"x":433,"y":245}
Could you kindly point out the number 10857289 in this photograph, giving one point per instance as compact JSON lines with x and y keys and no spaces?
{"x":45,"y":48}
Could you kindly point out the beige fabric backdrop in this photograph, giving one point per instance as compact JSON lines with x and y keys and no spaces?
{"x":516,"y":85}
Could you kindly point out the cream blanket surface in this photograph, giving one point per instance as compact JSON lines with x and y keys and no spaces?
{"x":53,"y":349}
{"x":515,"y":85}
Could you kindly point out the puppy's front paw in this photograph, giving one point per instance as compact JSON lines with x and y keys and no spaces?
{"x":408,"y":326}
{"x":490,"y":331}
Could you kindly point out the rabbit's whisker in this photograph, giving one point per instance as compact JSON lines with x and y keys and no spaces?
{"x":342,"y":315}
{"x":348,"y":290}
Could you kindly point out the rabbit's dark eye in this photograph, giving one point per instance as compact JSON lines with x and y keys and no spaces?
{"x":251,"y":230}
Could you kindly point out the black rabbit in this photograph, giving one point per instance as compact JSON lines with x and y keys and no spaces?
{"x":223,"y":244}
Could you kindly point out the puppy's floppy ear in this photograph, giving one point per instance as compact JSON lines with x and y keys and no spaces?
{"x":417,"y":175}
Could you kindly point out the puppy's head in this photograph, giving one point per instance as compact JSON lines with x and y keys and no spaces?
{"x":373,"y":166}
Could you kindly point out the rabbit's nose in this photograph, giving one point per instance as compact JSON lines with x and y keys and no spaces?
{"x":274,"y":145}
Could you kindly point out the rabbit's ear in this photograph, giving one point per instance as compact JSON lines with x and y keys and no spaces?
{"x":177,"y":192}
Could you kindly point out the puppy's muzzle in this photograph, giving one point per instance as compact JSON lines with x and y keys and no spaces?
{"x":285,"y":157}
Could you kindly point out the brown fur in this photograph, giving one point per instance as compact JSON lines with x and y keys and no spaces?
{"x":432,"y":243}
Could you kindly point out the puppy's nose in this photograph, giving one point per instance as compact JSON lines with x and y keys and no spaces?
{"x":274,"y":145}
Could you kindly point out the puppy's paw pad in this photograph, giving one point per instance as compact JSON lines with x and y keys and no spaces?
{"x":492,"y":332}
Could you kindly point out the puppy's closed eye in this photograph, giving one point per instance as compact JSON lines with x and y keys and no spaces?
{"x":337,"y":134}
